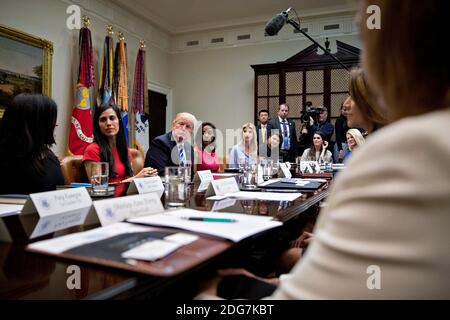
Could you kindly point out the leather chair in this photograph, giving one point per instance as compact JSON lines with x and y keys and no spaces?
{"x":73,"y":170}
{"x":223,"y":161}
{"x":137,"y":160}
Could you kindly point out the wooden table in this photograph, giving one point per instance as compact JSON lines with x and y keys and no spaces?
{"x":26,"y":275}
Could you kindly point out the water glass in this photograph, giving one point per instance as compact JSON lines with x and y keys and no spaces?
{"x":175,"y":186}
{"x":267,"y":168}
{"x":187,"y":172}
{"x":250,"y":175}
{"x":99,"y":177}
{"x":241,"y":163}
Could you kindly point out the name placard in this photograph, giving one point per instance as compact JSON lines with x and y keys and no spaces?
{"x":118,"y":209}
{"x":222,"y":186}
{"x":205,"y":177}
{"x":57,"y":210}
{"x":222,"y":204}
{"x":285,"y":171}
{"x":146,"y":185}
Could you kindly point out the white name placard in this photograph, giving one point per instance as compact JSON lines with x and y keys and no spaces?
{"x":146,"y":185}
{"x":118,"y":209}
{"x":57,"y":210}
{"x":222,"y":186}
{"x":285,"y":171}
{"x":205,"y":177}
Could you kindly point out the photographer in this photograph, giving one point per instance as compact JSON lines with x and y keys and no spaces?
{"x":313,"y":120}
{"x":321,"y":123}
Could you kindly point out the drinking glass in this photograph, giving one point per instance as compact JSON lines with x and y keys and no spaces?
{"x":267,"y":168}
{"x":99,"y":177}
{"x":250,"y":175}
{"x":175,"y":186}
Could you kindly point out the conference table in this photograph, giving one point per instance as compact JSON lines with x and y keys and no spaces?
{"x":28,"y":275}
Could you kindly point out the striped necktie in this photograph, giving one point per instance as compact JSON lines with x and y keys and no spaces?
{"x":286,"y":145}
{"x":181,"y":154}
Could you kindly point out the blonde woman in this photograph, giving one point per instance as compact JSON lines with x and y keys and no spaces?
{"x":354,"y":139}
{"x":247,"y":149}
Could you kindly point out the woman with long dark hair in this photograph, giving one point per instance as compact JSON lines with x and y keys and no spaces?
{"x":27,"y":163}
{"x":110,"y":146}
{"x":207,"y":155}
{"x":318,"y":150}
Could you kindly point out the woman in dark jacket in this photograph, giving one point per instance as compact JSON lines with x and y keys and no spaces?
{"x":27,"y":164}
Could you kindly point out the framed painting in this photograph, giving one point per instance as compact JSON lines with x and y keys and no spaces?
{"x":25,"y":65}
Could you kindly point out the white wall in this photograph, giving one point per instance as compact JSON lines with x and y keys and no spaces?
{"x":47,"y":19}
{"x":217,"y":85}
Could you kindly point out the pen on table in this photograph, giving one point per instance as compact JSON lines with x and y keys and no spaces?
{"x":205,"y":219}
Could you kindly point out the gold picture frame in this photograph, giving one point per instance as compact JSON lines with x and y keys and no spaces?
{"x":25,"y":65}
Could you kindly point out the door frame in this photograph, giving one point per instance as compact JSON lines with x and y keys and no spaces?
{"x":163,"y":89}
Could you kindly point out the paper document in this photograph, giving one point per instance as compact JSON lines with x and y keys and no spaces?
{"x":64,"y":243}
{"x":151,"y":251}
{"x":232,"y":226}
{"x":249,"y":195}
{"x":10,"y":209}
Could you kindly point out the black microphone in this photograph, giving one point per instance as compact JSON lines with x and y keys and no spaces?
{"x":276,"y":23}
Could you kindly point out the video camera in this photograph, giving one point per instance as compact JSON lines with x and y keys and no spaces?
{"x":312,"y":112}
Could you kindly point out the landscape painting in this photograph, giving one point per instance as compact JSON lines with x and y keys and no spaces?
{"x":25,"y":65}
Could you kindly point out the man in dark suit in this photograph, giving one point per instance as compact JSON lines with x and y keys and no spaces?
{"x":287,"y":131}
{"x":175,"y":147}
{"x":263,"y":129}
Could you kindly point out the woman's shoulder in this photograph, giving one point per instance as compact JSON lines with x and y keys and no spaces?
{"x":92,"y":147}
{"x":236,"y":148}
{"x":423,"y":131}
{"x":92,"y":152}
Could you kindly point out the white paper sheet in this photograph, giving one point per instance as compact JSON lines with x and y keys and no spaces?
{"x":244,"y":226}
{"x":268,"y":196}
{"x":10,"y":209}
{"x":152,"y":250}
{"x":64,"y":243}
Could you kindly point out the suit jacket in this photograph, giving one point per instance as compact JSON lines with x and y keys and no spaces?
{"x":276,"y":125}
{"x":386,"y":218}
{"x":163,"y":152}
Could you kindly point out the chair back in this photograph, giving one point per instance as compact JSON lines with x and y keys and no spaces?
{"x":137,"y":160}
{"x":73,"y":170}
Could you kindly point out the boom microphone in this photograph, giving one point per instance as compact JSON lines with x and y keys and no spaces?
{"x":276,"y":23}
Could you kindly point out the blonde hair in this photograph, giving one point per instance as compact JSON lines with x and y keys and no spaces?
{"x":253,"y":147}
{"x":365,"y":99}
{"x":406,"y":63}
{"x":356,"y":134}
{"x":185,"y":115}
